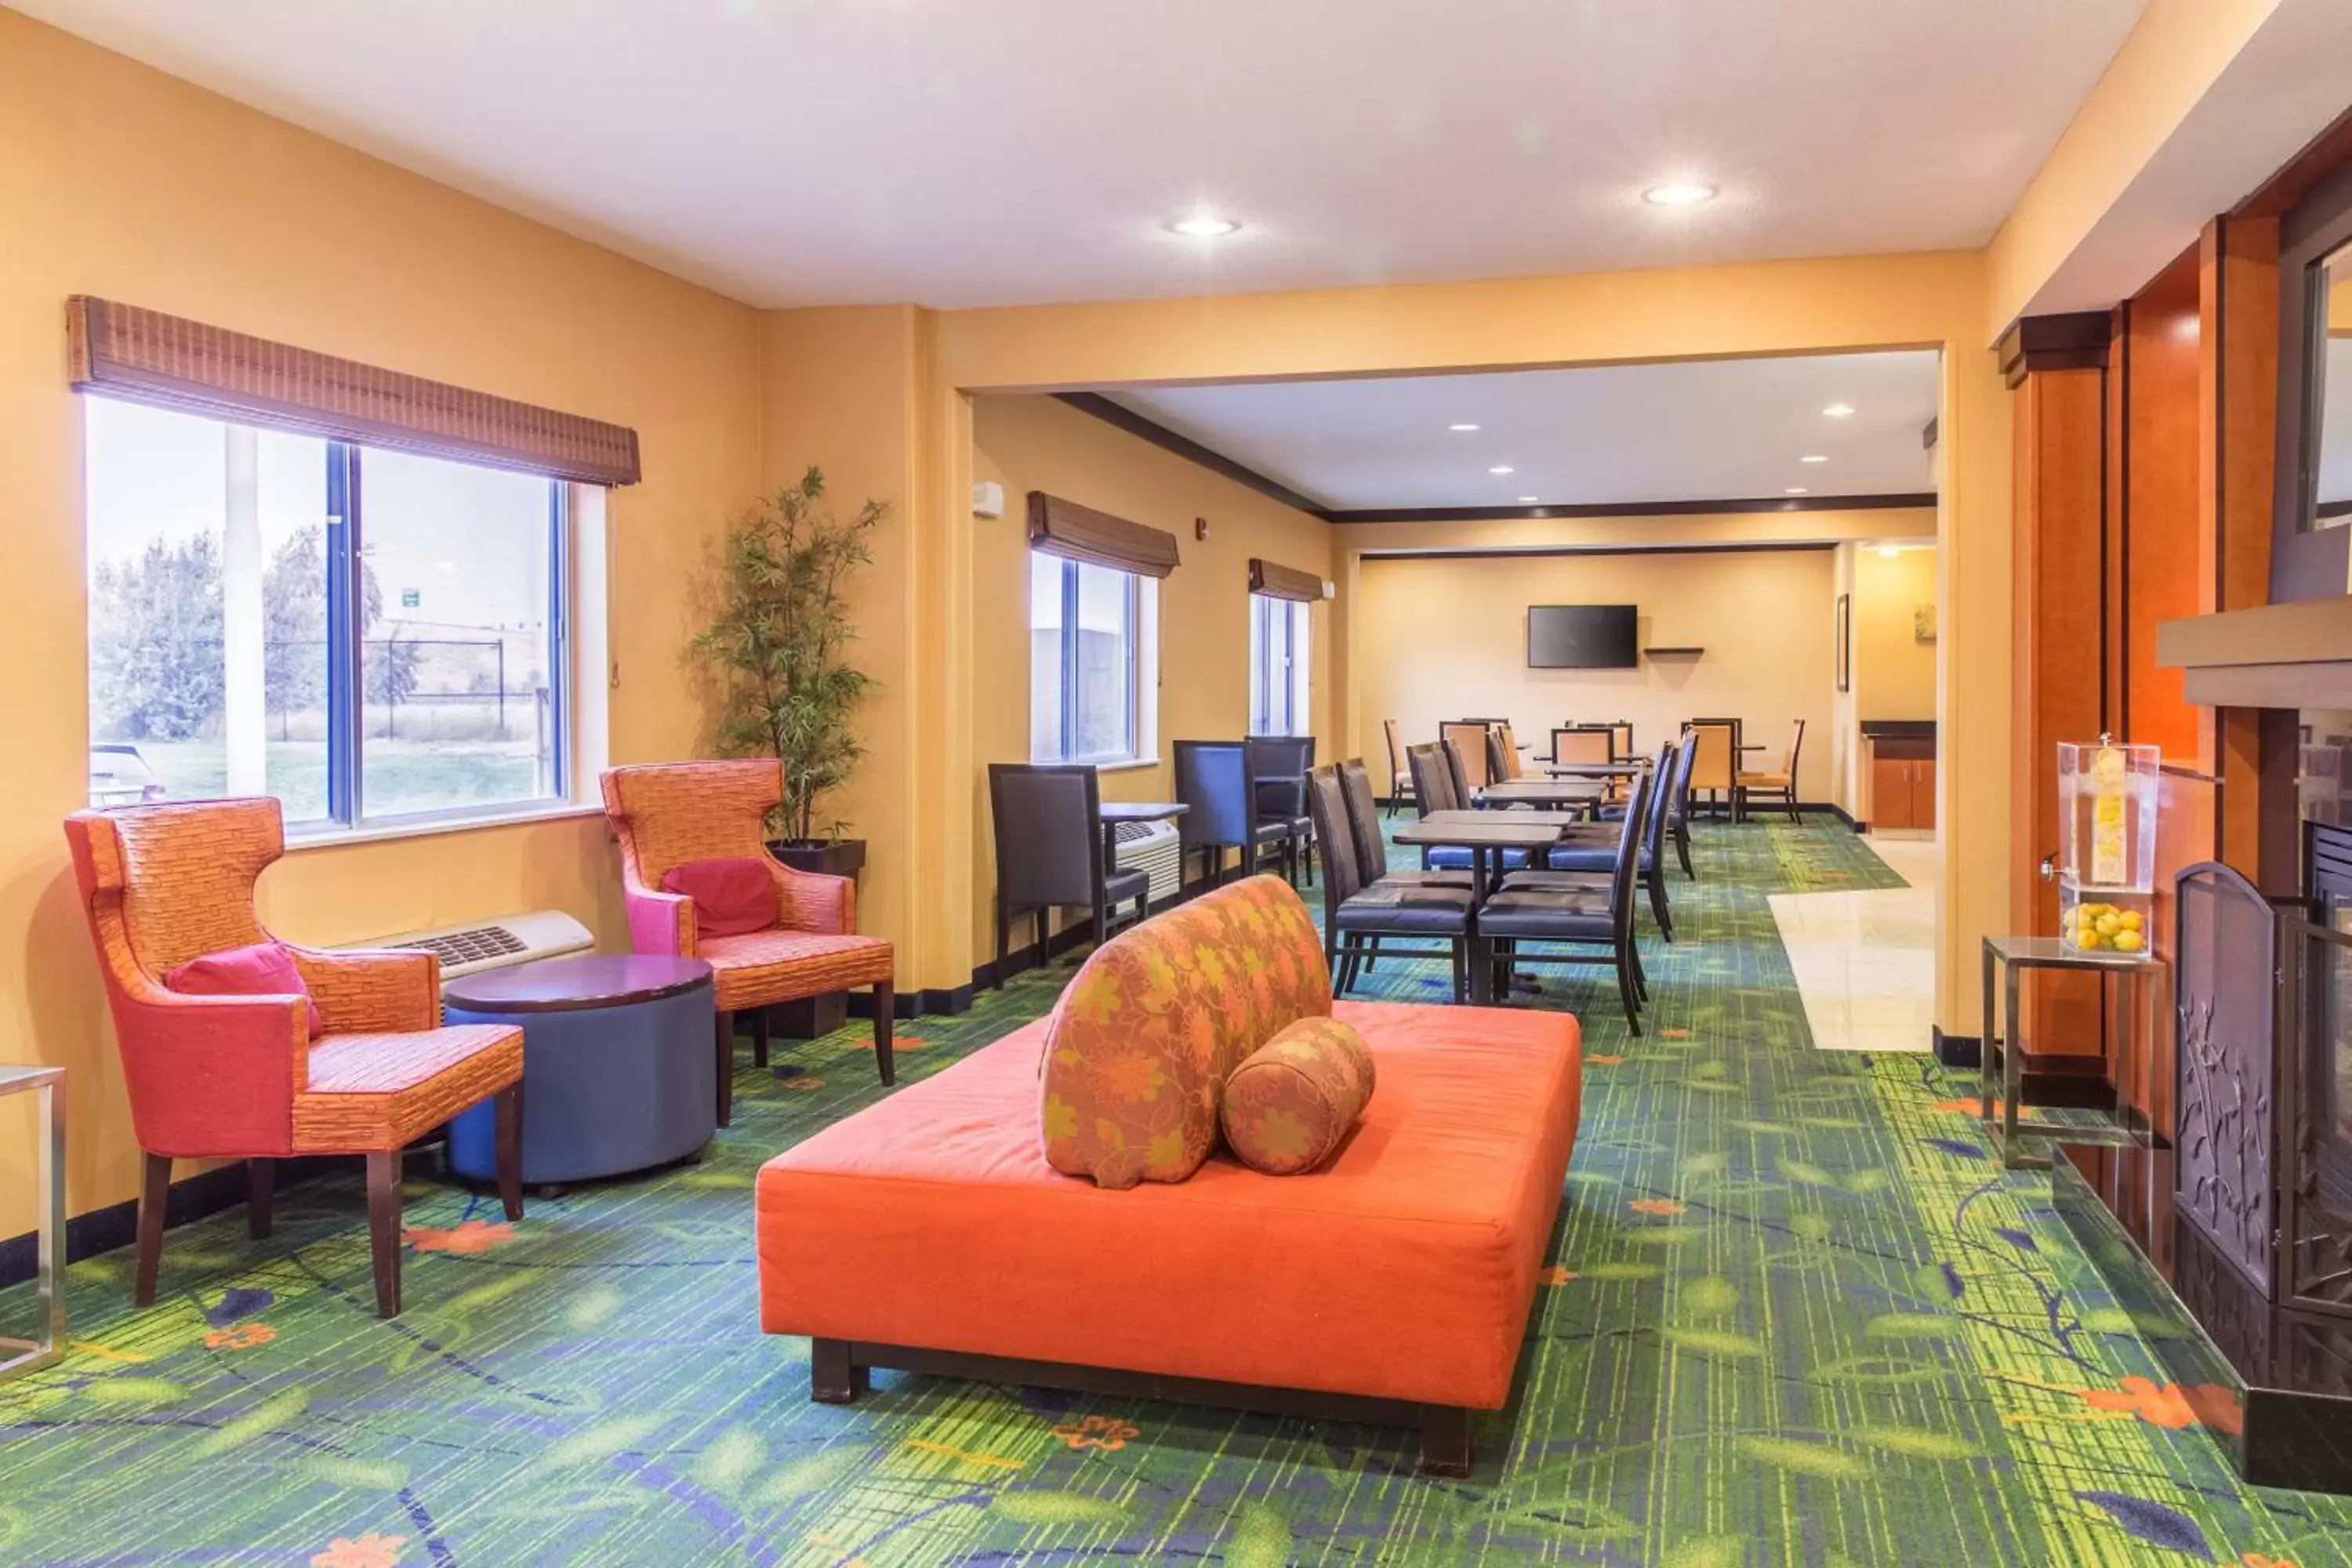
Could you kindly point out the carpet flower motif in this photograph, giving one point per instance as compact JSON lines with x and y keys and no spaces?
{"x":239,"y":1337}
{"x":1555,"y":1275}
{"x":2170,"y":1405}
{"x":368,"y":1551}
{"x":470,"y":1236}
{"x":1105,"y":1432}
{"x":1657,"y":1205}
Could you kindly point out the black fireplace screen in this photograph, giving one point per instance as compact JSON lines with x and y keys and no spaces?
{"x":2225,"y":977}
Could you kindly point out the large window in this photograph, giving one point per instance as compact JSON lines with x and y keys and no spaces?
{"x":1277,"y":666}
{"x":368,"y":635}
{"x":1087,"y":658}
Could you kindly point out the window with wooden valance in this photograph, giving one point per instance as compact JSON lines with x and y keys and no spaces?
{"x":1075,"y":532}
{"x":1279,"y":582}
{"x":147,"y":356}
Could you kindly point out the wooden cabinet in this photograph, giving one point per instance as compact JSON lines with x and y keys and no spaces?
{"x":1902,"y":782}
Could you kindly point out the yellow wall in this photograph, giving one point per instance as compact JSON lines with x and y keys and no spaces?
{"x":1797,"y":307}
{"x":1894,"y":671}
{"x":1029,"y":443}
{"x":2170,"y":58}
{"x":1438,"y":638}
{"x":839,"y":389}
{"x":118,"y":180}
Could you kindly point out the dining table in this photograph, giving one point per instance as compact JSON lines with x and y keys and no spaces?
{"x":1625,"y":770}
{"x":1559,"y":792}
{"x":1111,"y":813}
{"x":1484,"y":833}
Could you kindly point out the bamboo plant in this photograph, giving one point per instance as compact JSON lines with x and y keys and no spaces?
{"x":779,"y":643}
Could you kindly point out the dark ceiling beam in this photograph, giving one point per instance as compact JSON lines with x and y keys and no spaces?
{"x":1184,"y":447}
{"x":2074,"y":341}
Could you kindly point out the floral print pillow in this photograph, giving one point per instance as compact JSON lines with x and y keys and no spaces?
{"x":1289,"y":1106}
{"x":1140,"y":1044}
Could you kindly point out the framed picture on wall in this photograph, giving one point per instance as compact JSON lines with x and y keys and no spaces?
{"x":1846,"y":642}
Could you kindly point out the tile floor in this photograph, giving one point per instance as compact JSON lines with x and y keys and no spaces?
{"x":1865,"y":962}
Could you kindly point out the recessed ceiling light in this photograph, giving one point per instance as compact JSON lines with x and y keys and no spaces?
{"x":1462,"y":426}
{"x":1678,"y":194}
{"x":1500,"y":468}
{"x":1527,"y":501}
{"x":1840,"y":411}
{"x":1202,"y":228}
{"x":1812,"y":457}
{"x":1794,"y":491}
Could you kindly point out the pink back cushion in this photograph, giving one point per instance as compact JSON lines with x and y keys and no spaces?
{"x":731,"y":896}
{"x":265,"y":969}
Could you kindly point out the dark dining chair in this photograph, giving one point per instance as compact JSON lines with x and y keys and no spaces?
{"x":1438,"y":785}
{"x":1468,"y":739}
{"x":1679,"y":802}
{"x":1592,"y":851}
{"x":1582,"y":922}
{"x":1357,"y":911}
{"x":1364,"y":832}
{"x":1049,"y":853}
{"x":1278,"y":769}
{"x":1213,"y":779}
{"x":1778,"y":789}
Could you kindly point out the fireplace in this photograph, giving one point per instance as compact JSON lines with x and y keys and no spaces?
{"x":2257,"y":1245}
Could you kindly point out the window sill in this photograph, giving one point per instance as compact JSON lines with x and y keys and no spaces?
{"x":331,"y":838}
{"x":1128,"y":766}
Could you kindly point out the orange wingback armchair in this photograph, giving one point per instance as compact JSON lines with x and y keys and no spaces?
{"x":239,"y":1077}
{"x":669,"y":814}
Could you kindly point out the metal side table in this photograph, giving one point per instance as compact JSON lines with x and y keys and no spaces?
{"x":30,"y":1355}
{"x":2125,"y":1127}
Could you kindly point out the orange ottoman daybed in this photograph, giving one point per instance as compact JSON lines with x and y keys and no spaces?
{"x":934,"y":1233}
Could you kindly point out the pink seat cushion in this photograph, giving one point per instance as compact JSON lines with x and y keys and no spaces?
{"x":731,"y":896}
{"x":265,"y":969}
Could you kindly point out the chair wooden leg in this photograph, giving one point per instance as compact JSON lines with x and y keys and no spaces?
{"x":1003,"y":944}
{"x":1657,"y":881}
{"x":258,"y":1175}
{"x":726,"y":1069}
{"x":1682,"y":848}
{"x":154,"y":1193}
{"x":507,"y":1113}
{"x":384,"y":1229}
{"x":886,"y":1006}
{"x":1626,"y":990}
{"x":759,"y":1037}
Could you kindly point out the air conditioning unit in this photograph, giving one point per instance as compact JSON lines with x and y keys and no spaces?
{"x":1153,"y":847}
{"x":494,"y":943}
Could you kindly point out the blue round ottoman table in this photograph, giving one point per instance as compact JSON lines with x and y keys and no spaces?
{"x":617,"y":1069}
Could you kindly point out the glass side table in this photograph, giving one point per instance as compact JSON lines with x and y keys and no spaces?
{"x":30,"y":1355}
{"x":2006,"y":958}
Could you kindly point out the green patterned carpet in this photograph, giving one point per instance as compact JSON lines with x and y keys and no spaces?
{"x":1795,"y":1315}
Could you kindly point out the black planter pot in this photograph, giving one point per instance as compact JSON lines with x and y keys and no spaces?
{"x":831,"y":857}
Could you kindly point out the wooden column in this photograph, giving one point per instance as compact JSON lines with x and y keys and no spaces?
{"x":2057,"y":370}
{"x":2238,"y":304}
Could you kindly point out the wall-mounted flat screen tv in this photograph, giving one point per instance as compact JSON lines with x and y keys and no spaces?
{"x":1582,"y":636}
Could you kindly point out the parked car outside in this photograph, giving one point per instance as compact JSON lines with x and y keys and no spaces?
{"x":118,"y":775}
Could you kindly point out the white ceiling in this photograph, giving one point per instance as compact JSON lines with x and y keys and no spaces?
{"x":960,"y":152}
{"x":1712,"y":430}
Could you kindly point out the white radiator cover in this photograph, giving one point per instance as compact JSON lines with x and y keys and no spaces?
{"x":494,"y":943}
{"x":1153,"y":847}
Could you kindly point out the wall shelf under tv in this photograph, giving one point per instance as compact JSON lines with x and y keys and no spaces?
{"x":1672,"y":652}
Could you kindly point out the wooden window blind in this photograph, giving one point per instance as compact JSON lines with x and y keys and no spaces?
{"x":147,"y":356}
{"x":1075,"y":532}
{"x":1278,"y":581}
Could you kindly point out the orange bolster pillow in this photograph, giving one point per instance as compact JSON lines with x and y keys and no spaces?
{"x":1290,"y":1105}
